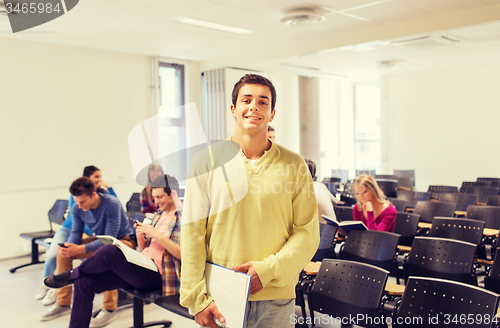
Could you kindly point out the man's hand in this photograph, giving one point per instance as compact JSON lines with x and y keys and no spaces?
{"x":71,"y":250}
{"x":205,"y":318}
{"x":146,"y":230}
{"x":249,"y":269}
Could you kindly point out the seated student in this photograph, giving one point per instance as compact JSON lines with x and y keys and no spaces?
{"x":48,"y":296}
{"x":324,"y":197}
{"x":147,"y":200}
{"x":108,"y":268}
{"x":271,"y":134}
{"x":104,"y":214}
{"x":372,"y":208}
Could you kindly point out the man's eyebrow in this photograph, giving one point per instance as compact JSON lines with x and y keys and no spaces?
{"x":262,"y":96}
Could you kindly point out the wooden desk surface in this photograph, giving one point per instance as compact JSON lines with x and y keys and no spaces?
{"x":394,"y":289}
{"x":487,"y":232}
{"x":312,"y":269}
{"x":424,"y":225}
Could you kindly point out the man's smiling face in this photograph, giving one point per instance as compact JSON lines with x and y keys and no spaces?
{"x":252,"y":110}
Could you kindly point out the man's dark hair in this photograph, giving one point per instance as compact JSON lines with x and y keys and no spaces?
{"x":89,"y":170}
{"x":254,"y":79}
{"x":167,"y":182}
{"x":270,"y":128}
{"x":312,"y":168}
{"x":82,"y":185}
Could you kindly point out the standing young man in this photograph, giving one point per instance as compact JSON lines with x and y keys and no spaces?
{"x":270,"y":233}
{"x":103,"y":214}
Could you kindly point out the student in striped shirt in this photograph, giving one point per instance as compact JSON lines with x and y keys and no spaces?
{"x":104,"y":215}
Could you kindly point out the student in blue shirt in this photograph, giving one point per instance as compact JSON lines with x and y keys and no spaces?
{"x":47,"y":296}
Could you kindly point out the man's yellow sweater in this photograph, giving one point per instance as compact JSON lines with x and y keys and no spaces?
{"x":235,"y":213}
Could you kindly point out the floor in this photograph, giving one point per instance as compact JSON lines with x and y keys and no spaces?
{"x":19,"y":309}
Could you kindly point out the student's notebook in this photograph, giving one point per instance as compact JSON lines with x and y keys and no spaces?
{"x":230,"y":291}
{"x":346,"y":225}
{"x":131,"y":255}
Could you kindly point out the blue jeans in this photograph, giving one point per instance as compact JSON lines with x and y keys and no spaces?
{"x":60,"y":236}
{"x":270,"y":314}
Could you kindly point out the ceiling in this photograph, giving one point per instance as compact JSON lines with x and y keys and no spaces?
{"x":147,"y":27}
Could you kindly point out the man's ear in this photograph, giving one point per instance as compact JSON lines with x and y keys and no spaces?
{"x":173,"y":193}
{"x":272,"y":115}
{"x":232,"y":110}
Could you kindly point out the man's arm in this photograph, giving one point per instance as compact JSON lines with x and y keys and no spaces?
{"x":193,"y":293}
{"x":77,"y":227}
{"x":278,"y":270}
{"x":111,"y":219}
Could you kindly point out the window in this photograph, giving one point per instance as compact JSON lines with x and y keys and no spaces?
{"x":171,"y":133}
{"x":367,"y":153}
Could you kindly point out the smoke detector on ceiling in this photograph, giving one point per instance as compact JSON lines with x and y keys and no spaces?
{"x":301,"y":16}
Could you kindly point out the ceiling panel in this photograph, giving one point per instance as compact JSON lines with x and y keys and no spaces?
{"x":436,"y":7}
{"x":388,"y":11}
{"x":343,"y":4}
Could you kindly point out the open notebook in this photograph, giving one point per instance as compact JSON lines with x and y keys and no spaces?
{"x":131,"y":255}
{"x":346,"y":225}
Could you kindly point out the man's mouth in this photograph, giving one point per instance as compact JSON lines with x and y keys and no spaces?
{"x":252,"y":118}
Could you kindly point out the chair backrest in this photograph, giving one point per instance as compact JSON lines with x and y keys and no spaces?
{"x":331,"y":184}
{"x":343,"y":213}
{"x":482,"y":192}
{"x":372,"y":247}
{"x":493,"y":201}
{"x":412,"y":197}
{"x":134,"y":203}
{"x":494,"y":182}
{"x":441,"y":258}
{"x":405,"y":182}
{"x":56,"y":213}
{"x":492,"y":278}
{"x":466,"y":184}
{"x":326,"y":237}
{"x":344,"y":288}
{"x":406,"y":226}
{"x":489,"y":214}
{"x":405,"y":174}
{"x":461,"y":229}
{"x":428,"y":210}
{"x":435,"y":190}
{"x":369,"y":172}
{"x":462,"y":200}
{"x":388,"y":186}
{"x":399,"y":204}
{"x":342,"y":174}
{"x":436,"y":302}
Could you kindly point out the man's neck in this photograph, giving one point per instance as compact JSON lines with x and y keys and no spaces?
{"x":97,"y":202}
{"x":253,"y":146}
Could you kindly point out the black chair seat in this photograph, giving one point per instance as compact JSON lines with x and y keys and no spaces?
{"x":37,"y":235}
{"x":148,"y":295}
{"x":141,"y":295}
{"x":171,"y":303}
{"x":56,"y":215}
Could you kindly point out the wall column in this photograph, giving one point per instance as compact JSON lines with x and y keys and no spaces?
{"x":309,"y":118}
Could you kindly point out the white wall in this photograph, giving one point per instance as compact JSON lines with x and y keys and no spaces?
{"x":63,"y":108}
{"x":443,"y":123}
